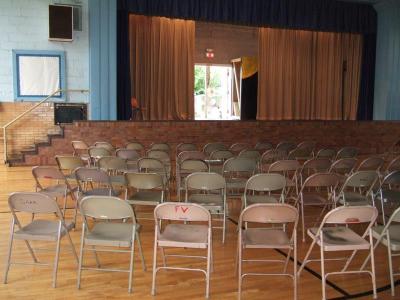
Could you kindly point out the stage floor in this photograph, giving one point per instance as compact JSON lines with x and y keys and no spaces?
{"x":34,"y":282}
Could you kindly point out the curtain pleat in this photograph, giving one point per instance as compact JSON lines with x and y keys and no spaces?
{"x":162,"y":61}
{"x":301,"y":75}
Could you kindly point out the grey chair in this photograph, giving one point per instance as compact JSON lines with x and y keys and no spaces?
{"x":186,"y":168}
{"x":115,"y":167}
{"x":263,"y":146}
{"x":137,"y":146}
{"x":81,"y":149}
{"x":131,"y":156}
{"x":68,"y":164}
{"x":268,"y":237}
{"x":105,"y":145}
{"x":39,"y":229}
{"x":374,"y":163}
{"x":326,"y":153}
{"x":344,"y":166}
{"x":94,"y":182}
{"x":347,"y":152}
{"x":336,"y":234}
{"x":389,"y":193}
{"x":211,"y":147}
{"x":209,"y":191}
{"x":217,"y":158}
{"x":236,"y":171}
{"x":185,"y":147}
{"x":96,"y":153}
{"x":269,"y":157}
{"x":312,"y":166}
{"x":105,"y":232}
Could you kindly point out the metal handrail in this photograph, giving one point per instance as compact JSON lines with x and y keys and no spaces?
{"x":28,"y":111}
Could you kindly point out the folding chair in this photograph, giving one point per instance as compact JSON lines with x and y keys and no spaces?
{"x":357,"y":189}
{"x":160,"y":146}
{"x":346,"y":152}
{"x":250,"y":153}
{"x":263,"y":146}
{"x":185,"y":168}
{"x":344,"y":166}
{"x":236,"y":171}
{"x":105,"y":145}
{"x":211,"y":147}
{"x":326,"y":153}
{"x":148,"y":189}
{"x":131,"y":156}
{"x":185,"y":147}
{"x":269,"y":157}
{"x":105,"y":232}
{"x":301,"y":154}
{"x":217,"y":158}
{"x":68,"y":164}
{"x":371,"y":164}
{"x":268,"y":238}
{"x":96,"y":153}
{"x":163,"y":156}
{"x":286,"y":146}
{"x":340,"y":237}
{"x":135,"y":146}
{"x":264,"y":188}
{"x":389,"y":192}
{"x":307,"y":145}
{"x":93,"y":182}
{"x":239,"y":147}
{"x":312,"y":166}
{"x":389,"y":236}
{"x":115,"y":167}
{"x":177,"y":235}
{"x":51,"y":181}
{"x":81,"y":149}
{"x":289,"y":169}
{"x":394,"y":165}
{"x":208,"y":190}
{"x":317,"y":190}
{"x":154,"y":165}
{"x":49,"y":230}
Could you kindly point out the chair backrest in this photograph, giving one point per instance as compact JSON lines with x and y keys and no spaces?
{"x":129,"y":154}
{"x":361,"y":179}
{"x":347,"y":152}
{"x":300,"y":153}
{"x":307,"y":145}
{"x":395,"y":217}
{"x":330,"y":180}
{"x":69,"y":163}
{"x":205,"y":181}
{"x":145,"y":181}
{"x":271,"y":156}
{"x":43,"y":172}
{"x":238,"y":147}
{"x":85,"y":174}
{"x":270,"y":213}
{"x":112,"y":163}
{"x":394,"y":165}
{"x":148,"y":165}
{"x":239,"y":164}
{"x":135,"y":146}
{"x":211,"y":147}
{"x":190,"y":155}
{"x":35,"y":203}
{"x":105,"y":145}
{"x":317,"y":165}
{"x":181,"y":212}
{"x":326,"y":153}
{"x":371,"y":164}
{"x":351,"y":215}
{"x":265,"y":183}
{"x":158,"y":154}
{"x":79,"y":145}
{"x":286,"y":146}
{"x":343,"y":166}
{"x":194,"y":165}
{"x":221,"y":155}
{"x":185,"y":147}
{"x":392,"y":178}
{"x":160,"y":146}
{"x":250,"y":153}
{"x":282,"y":166}
{"x":97,"y":152}
{"x":106,"y":208}
{"x":263,"y":146}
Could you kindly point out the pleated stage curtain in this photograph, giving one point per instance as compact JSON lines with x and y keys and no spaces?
{"x":162,"y":67}
{"x":308,"y":75}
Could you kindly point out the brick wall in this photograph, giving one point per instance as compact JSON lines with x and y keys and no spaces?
{"x":25,"y":131}
{"x":370,"y":137}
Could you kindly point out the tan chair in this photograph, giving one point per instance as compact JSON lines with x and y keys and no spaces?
{"x":318,"y":190}
{"x":68,"y":164}
{"x":394,"y":165}
{"x":286,"y":146}
{"x":49,"y":230}
{"x":236,"y":171}
{"x":301,"y":154}
{"x":263,"y":146}
{"x":312,"y":166}
{"x":357,"y":189}
{"x":239,"y":147}
{"x":269,"y":157}
{"x":81,"y":149}
{"x":51,"y":181}
{"x":307,"y":145}
{"x":250,"y":153}
{"x":105,"y":145}
{"x":160,"y":146}
{"x":389,"y":193}
{"x":335,"y":234}
{"x":185,"y":147}
{"x":131,"y":156}
{"x":344,"y":166}
{"x":96,"y":153}
{"x":217,"y":158}
{"x":146,"y":189}
{"x":136,"y":146}
{"x":211,"y":147}
{"x":154,"y":165}
{"x":186,"y":168}
{"x":289,"y":169}
{"x":94,"y":182}
{"x":326,"y":153}
{"x":388,"y":236}
{"x":268,"y":238}
{"x":264,"y":188}
{"x":115,"y":167}
{"x":371,"y":164}
{"x":208,"y":190}
{"x":103,"y":233}
{"x":186,"y":235}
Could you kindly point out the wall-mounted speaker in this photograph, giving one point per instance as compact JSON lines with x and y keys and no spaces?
{"x":61,"y":22}
{"x":69,"y":112}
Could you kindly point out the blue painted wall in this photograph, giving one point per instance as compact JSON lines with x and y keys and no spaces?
{"x":387,"y":76}
{"x":103,"y":59}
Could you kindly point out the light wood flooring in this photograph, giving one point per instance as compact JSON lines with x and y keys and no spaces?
{"x":34,"y":282}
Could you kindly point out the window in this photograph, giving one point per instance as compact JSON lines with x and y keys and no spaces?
{"x":213,"y":93}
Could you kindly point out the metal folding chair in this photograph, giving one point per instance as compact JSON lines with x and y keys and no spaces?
{"x":186,"y":168}
{"x":81,"y":149}
{"x":94,"y":182}
{"x":186,"y":235}
{"x":326,"y":153}
{"x":48,"y":230}
{"x":335,"y":234}
{"x":105,"y":232}
{"x":347,"y":152}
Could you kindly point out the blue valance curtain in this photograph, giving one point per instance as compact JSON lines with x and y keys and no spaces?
{"x":318,"y":15}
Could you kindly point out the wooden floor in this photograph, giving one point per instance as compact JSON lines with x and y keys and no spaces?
{"x":31,"y":282}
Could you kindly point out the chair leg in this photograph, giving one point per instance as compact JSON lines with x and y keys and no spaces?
{"x":72,"y":247}
{"x":10,"y":244}
{"x":163,"y":257}
{"x":240,"y":249}
{"x":141,"y":251}
{"x":96,"y":257}
{"x":349,"y":260}
{"x":323,"y":278}
{"x":131,"y":263}
{"x":153,"y":284}
{"x":287,"y":261}
{"x":209,"y":251}
{"x":371,"y":242}
{"x":55,"y":268}
{"x":306,"y":257}
{"x":390,"y":265}
{"x":302,"y":220}
{"x":295,"y":266}
{"x":81,"y":257}
{"x":224,"y":226}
